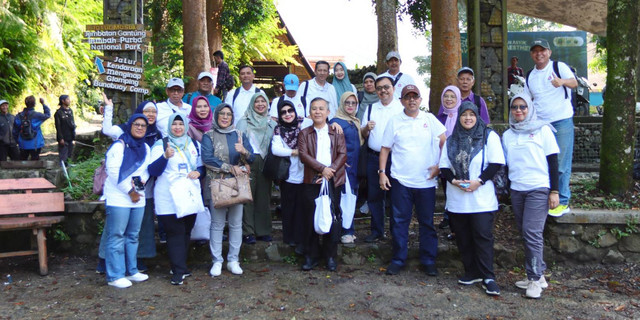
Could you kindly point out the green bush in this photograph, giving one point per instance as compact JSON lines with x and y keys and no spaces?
{"x":81,"y":177}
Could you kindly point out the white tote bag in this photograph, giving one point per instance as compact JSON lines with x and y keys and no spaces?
{"x":348,"y":204}
{"x":202,"y":228}
{"x":186,"y":196}
{"x":322,"y":218}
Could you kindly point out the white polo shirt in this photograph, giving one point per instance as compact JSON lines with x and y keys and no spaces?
{"x":527,"y":157}
{"x":404,"y":81}
{"x":242,"y":101}
{"x":415,"y":146}
{"x":484,"y":198}
{"x":549,"y":101}
{"x":381,"y":115}
{"x":273,"y":110}
{"x":327,"y":92}
{"x":166,"y":109}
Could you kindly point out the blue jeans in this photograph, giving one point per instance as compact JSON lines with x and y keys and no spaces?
{"x":146,"y":237}
{"x":122,"y":228}
{"x":564,"y":138}
{"x":403,"y":200}
{"x":376,"y":196}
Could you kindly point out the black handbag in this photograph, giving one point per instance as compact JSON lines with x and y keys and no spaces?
{"x":276,"y":168}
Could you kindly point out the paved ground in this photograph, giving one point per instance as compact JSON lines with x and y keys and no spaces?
{"x":281,"y":291}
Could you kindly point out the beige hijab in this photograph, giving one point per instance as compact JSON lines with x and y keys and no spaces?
{"x":342,"y":112}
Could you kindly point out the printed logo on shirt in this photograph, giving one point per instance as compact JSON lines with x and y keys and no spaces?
{"x":425,"y":125}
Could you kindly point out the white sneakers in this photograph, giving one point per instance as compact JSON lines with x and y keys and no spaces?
{"x":120,"y":283}
{"x":138,"y":277}
{"x":234,"y":267}
{"x":348,"y":238}
{"x":534,"y":288}
{"x":216,"y":270}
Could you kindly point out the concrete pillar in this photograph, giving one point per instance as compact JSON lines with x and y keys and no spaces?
{"x":487,"y":29}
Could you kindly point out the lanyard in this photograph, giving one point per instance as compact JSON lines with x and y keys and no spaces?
{"x":184,"y":157}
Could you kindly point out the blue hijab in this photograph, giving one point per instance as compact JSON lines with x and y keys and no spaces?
{"x":152,"y":134}
{"x":343,"y":85}
{"x":135,"y":150}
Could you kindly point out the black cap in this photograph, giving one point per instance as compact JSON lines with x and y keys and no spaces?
{"x":539,"y":42}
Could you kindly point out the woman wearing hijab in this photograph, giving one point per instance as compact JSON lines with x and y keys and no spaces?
{"x":532,"y":156}
{"x":126,"y":160}
{"x":200,"y":118}
{"x":147,"y":241}
{"x":257,"y":125}
{"x":350,"y":124}
{"x":341,"y":80}
{"x":225,"y":151}
{"x":448,"y":115}
{"x":368,"y":95}
{"x":285,"y":144}
{"x":470,"y":158}
{"x":179,"y":159}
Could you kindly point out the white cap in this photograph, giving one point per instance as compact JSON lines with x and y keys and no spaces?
{"x":3,"y":102}
{"x":392,"y":54}
{"x":205,"y":74}
{"x":175,"y":82}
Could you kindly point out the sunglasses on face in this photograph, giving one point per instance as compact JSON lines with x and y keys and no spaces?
{"x":350,"y":103}
{"x":285,"y":111}
{"x":520,"y":107}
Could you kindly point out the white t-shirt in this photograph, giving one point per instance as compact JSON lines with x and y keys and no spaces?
{"x":175,"y":165}
{"x":527,"y":157}
{"x":323,"y":148}
{"x":327,"y":92}
{"x":415,"y":146}
{"x":117,"y":194}
{"x":404,"y":81}
{"x":484,"y":198}
{"x":549,"y":101}
{"x":381,"y":115}
{"x":166,"y":109}
{"x":273,"y":110}
{"x":242,"y":101}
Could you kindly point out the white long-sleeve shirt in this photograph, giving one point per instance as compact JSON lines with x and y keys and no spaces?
{"x":166,"y":109}
{"x":108,"y":129}
{"x":117,"y":194}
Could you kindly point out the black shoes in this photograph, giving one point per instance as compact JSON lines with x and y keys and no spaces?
{"x":250,"y":239}
{"x":266,"y":238}
{"x":373,"y":238}
{"x":332,"y":265}
{"x":393,"y":269}
{"x":430,"y":270}
{"x":444,"y":224}
{"x":309,"y":264}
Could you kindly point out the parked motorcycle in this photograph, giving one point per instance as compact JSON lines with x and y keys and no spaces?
{"x":580,"y":97}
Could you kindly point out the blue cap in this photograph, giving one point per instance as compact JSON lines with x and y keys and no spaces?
{"x":291,"y":82}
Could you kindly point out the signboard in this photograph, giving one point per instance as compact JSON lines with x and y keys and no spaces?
{"x":118,"y":73}
{"x":566,"y":46}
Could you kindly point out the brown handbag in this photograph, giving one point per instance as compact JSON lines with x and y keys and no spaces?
{"x":226,"y":192}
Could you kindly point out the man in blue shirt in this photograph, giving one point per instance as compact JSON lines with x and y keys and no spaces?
{"x":205,"y":86}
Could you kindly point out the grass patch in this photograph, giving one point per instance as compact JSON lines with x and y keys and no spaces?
{"x":81,"y":177}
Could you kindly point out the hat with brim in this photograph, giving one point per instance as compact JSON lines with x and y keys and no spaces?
{"x":392,"y":54}
{"x":3,"y":102}
{"x":205,"y":74}
{"x":410,"y":89}
{"x":465,"y":70}
{"x":291,"y":82}
{"x":175,"y":82}
{"x":540,"y":43}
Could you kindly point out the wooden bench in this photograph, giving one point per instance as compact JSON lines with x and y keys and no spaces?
{"x":18,"y":209}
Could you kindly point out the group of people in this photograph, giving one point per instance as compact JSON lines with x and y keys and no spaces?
{"x":335,"y":136}
{"x":21,"y":135}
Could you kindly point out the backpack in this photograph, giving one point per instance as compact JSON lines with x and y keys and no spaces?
{"x":26,"y":128}
{"x":397,"y":79}
{"x":303,"y":99}
{"x":500,"y":180}
{"x":556,"y":69}
{"x":100,"y":175}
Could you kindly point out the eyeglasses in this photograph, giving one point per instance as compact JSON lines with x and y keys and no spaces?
{"x":520,"y":107}
{"x":350,"y":103}
{"x":176,"y":90}
{"x":139,"y":125}
{"x":411,"y":97}
{"x":149,"y":111}
{"x":385,"y":88}
{"x":285,"y":111}
{"x":225,"y":114}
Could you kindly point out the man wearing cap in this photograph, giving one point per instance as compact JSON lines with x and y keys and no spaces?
{"x":550,"y":84}
{"x":400,"y":80}
{"x":414,"y":139}
{"x":291,"y":84}
{"x":466,"y":80}
{"x":65,"y":128}
{"x":319,"y":87}
{"x":374,"y":122}
{"x":205,"y":85}
{"x":224,"y":83}
{"x":240,"y":97}
{"x":8,"y":144}
{"x":175,"y":92}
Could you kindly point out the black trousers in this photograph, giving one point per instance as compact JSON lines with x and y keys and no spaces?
{"x":291,"y":203}
{"x":474,"y":236}
{"x":311,"y":239}
{"x":33,"y":153}
{"x":10,"y":151}
{"x":178,"y":238}
{"x":64,"y":151}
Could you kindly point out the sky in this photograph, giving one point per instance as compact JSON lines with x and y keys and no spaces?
{"x":349,"y":28}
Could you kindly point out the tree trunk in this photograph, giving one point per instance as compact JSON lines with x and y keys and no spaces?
{"x":445,"y":49}
{"x":387,"y":31}
{"x":214,"y":27}
{"x":618,"y":122}
{"x":159,"y":28}
{"x":195,"y":50}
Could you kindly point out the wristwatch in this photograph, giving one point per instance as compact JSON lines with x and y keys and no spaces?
{"x":381,"y":171}
{"x":481,"y":182}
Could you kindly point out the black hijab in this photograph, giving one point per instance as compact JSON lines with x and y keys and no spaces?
{"x":465,"y":144}
{"x":288,"y":131}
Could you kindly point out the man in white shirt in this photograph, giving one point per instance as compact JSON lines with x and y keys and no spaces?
{"x":240,"y":97}
{"x":319,"y":87}
{"x":550,"y":84}
{"x":399,"y":79}
{"x":291,"y":85}
{"x":414,"y":139}
{"x":175,"y":92}
{"x":374,"y":122}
